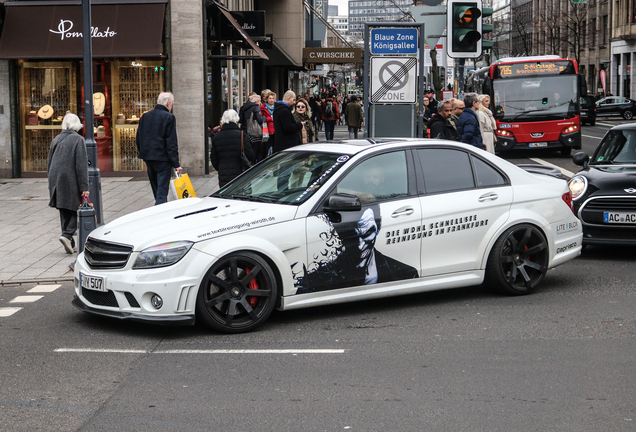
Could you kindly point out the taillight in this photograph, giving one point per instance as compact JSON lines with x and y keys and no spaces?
{"x":567,"y":198}
{"x":569,"y":129}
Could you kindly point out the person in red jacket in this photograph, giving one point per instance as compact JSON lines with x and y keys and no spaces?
{"x":330,"y":115}
{"x":267,"y":112}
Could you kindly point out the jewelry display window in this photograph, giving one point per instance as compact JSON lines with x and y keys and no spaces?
{"x":47,"y":92}
{"x":135,"y":88}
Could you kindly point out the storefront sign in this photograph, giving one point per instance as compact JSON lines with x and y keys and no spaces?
{"x":253,"y":22}
{"x":56,"y":31}
{"x":332,"y":55}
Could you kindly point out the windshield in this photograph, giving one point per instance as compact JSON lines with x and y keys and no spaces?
{"x":617,"y":147}
{"x":285,"y":178}
{"x":531,"y":99}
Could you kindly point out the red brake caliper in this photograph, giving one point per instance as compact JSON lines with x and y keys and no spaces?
{"x":252,"y":285}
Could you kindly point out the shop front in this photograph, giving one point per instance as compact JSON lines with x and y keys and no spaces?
{"x":128,"y":74}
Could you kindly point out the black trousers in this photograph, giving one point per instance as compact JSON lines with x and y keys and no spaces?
{"x":159,"y":175}
{"x":68,"y":221}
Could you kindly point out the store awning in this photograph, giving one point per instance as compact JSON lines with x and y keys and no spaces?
{"x":55,"y":30}
{"x":279,"y":57}
{"x":244,"y":35}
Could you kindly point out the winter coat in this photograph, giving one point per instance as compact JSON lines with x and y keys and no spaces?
{"x":267,"y":116}
{"x":157,"y":136}
{"x":225,"y":154}
{"x":353,"y":114}
{"x":441,"y":128}
{"x":336,"y":112}
{"x":308,"y":127}
{"x":468,"y":128}
{"x":67,"y":169}
{"x":286,"y":127}
{"x":487,"y":125}
{"x":244,"y":114}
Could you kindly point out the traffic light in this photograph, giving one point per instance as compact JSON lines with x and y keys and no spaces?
{"x":463,"y":28}
{"x":486,"y":28}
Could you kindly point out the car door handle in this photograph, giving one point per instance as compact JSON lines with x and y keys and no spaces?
{"x":488,"y":197}
{"x":403,"y":212}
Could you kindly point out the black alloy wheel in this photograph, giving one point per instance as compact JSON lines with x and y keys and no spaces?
{"x":628,"y":114}
{"x":518,"y":261}
{"x":237,"y":294}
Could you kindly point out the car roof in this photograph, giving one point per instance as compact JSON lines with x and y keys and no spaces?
{"x":355,"y":146}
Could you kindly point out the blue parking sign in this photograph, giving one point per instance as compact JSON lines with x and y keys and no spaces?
{"x":394,"y":41}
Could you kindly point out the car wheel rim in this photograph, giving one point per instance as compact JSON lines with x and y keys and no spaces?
{"x":628,"y":115}
{"x":237,"y":292}
{"x":523,"y":258}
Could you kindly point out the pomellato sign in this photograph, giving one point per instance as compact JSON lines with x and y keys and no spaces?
{"x":332,"y":55}
{"x":65,"y":27}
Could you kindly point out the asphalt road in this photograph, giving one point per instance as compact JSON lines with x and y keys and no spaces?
{"x":561,"y":359}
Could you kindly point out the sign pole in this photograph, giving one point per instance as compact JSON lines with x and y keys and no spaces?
{"x":94,"y":180}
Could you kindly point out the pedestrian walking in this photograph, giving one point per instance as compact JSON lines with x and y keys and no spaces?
{"x":225,"y":154}
{"x":251,"y":112}
{"x":487,"y":123}
{"x":456,"y":111}
{"x":267,"y":112}
{"x":330,"y":116}
{"x":354,"y":117}
{"x":314,"y":107}
{"x":440,"y":125}
{"x":468,"y":125}
{"x":302,"y":114}
{"x":287,"y":128}
{"x":67,"y":169}
{"x":432,"y":103}
{"x":157,"y":144}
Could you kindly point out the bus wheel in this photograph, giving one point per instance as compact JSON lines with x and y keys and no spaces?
{"x":566,"y":151}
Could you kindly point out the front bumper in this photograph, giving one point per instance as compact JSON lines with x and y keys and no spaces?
{"x":571,"y":140}
{"x":182,"y":320}
{"x":596,"y":231}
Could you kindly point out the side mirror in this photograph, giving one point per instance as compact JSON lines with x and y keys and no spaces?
{"x":581,"y":159}
{"x":343,"y":202}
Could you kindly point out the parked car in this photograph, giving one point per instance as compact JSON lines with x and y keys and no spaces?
{"x":616,"y":106}
{"x":588,"y":110}
{"x":604,"y":191}
{"x":331,"y":223}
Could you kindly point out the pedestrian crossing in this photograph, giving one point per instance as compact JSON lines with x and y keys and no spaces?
{"x":19,"y":302}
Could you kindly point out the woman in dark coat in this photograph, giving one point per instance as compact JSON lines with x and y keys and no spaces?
{"x":67,"y":169}
{"x":302,"y":113}
{"x":225,"y":154}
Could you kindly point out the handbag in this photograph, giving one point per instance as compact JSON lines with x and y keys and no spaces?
{"x":182,"y":187}
{"x":245,"y":162}
{"x":304,"y":134}
{"x":254,"y":129}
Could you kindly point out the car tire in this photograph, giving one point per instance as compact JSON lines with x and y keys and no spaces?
{"x":237,"y":294}
{"x":518,"y":260}
{"x":628,"y":115}
{"x":566,"y":151}
{"x":592,"y":123}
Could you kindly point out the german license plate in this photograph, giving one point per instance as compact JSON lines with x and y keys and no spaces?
{"x":625,"y":218}
{"x":94,"y":283}
{"x":539,"y":144}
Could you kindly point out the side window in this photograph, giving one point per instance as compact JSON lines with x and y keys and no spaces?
{"x":446,"y":170}
{"x":378,"y":178}
{"x":485,"y":175}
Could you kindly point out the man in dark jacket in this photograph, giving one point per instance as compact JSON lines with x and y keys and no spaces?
{"x":432,"y":105}
{"x":157,"y":145}
{"x":286,"y":127}
{"x":468,"y":125}
{"x":440,"y":125}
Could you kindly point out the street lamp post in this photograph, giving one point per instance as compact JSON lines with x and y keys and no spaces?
{"x":94,"y":179}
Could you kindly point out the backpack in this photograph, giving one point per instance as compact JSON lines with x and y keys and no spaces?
{"x":329,"y":109}
{"x":254,"y":129}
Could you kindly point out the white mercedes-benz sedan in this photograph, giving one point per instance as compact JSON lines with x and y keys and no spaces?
{"x":331,"y":223}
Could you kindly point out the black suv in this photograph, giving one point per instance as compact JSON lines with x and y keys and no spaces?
{"x":588,"y":110}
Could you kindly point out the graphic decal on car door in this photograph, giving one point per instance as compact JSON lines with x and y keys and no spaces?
{"x":350,"y":256}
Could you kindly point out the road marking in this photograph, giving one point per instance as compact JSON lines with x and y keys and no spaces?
{"x":217,"y":351}
{"x":546,"y":163}
{"x":7,"y":311}
{"x":590,"y":136}
{"x":43,"y":288}
{"x":26,"y":299}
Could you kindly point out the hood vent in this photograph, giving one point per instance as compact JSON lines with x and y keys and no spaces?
{"x":196,"y":212}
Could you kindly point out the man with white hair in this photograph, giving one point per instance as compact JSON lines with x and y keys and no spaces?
{"x":157,"y":145}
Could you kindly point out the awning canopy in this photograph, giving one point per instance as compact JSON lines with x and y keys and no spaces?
{"x":236,"y":31}
{"x":55,"y":30}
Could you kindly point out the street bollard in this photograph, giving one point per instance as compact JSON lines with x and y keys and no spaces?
{"x":87,"y":223}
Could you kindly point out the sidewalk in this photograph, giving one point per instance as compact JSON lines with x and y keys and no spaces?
{"x":30,"y":229}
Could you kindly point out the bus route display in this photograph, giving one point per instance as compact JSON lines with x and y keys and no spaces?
{"x":516,"y":70}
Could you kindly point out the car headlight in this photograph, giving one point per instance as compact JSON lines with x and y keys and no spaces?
{"x":578,"y":186}
{"x":162,"y":255}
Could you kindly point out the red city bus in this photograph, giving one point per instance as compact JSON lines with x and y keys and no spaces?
{"x":536,"y":102}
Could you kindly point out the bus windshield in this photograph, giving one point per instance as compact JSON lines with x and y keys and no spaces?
{"x":536,"y":98}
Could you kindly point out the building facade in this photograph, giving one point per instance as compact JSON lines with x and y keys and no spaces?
{"x":361,"y":11}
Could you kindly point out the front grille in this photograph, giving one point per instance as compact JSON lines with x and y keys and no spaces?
{"x":103,"y":255}
{"x":100,"y":298}
{"x":592,"y":211}
{"x":132,"y":301}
